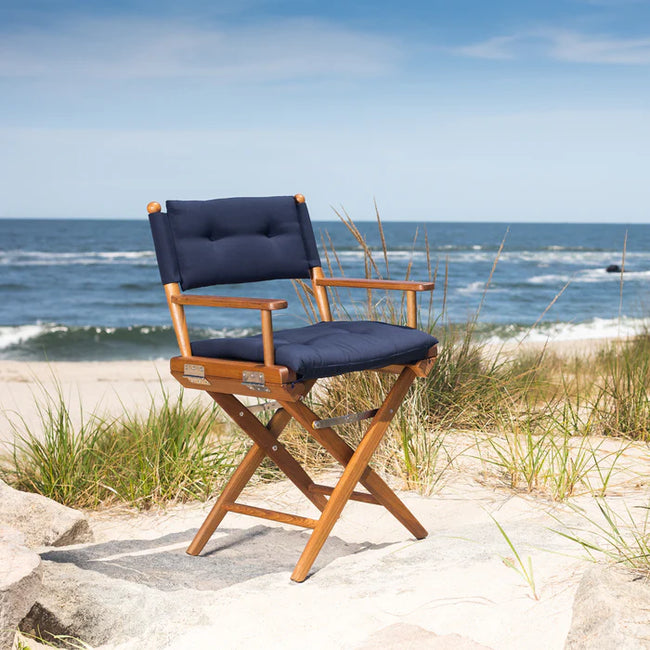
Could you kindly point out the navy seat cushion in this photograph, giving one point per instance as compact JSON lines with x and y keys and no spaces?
{"x":327,"y":349}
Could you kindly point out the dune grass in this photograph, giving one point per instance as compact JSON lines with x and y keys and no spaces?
{"x":176,"y":452}
{"x":620,"y":538}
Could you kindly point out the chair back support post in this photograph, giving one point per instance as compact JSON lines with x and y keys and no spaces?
{"x":177,"y":311}
{"x":320,"y":293}
{"x":178,"y":319}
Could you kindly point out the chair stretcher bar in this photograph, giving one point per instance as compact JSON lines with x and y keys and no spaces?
{"x":273,"y":515}
{"x":344,"y":419}
{"x":364,"y":497}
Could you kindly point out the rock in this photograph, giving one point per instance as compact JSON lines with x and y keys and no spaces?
{"x":613,"y":268}
{"x":20,"y":584}
{"x":611,"y":609}
{"x":402,"y":636}
{"x":97,"y":609}
{"x":43,"y":522}
{"x":11,"y":536}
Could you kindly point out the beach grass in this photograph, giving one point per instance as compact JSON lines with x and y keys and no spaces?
{"x":178,"y":451}
{"x":622,"y":538}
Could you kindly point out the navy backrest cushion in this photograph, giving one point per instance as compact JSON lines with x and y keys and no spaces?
{"x":224,"y":241}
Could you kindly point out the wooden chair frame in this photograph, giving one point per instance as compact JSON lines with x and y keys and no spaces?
{"x":223,"y":379}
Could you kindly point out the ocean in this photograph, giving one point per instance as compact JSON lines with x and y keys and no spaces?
{"x":90,"y":289}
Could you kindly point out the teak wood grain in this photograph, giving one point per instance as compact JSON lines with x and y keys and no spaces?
{"x":373,"y":283}
{"x":353,"y":471}
{"x":274,"y":449}
{"x":233,"y":302}
{"x":229,"y":369}
{"x":236,"y":484}
{"x":173,"y":290}
{"x":342,"y":452}
{"x":280,"y":392}
{"x":272,"y":515}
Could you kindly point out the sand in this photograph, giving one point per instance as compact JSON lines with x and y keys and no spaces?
{"x":87,"y":386}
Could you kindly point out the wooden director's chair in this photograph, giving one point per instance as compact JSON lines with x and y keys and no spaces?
{"x":225,"y":241}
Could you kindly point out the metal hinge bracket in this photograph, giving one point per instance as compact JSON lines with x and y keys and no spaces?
{"x":255,"y":381}
{"x":195,"y":374}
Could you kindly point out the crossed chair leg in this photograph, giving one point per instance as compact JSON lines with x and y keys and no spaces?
{"x":355,"y":463}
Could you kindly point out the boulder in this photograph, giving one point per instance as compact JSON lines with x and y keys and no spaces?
{"x":613,"y":268}
{"x":42,"y":521}
{"x":98,"y":610}
{"x":610,"y":610}
{"x":20,"y":583}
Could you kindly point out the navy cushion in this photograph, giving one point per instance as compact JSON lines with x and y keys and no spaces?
{"x":327,"y":349}
{"x":225,"y":241}
{"x":164,"y":245}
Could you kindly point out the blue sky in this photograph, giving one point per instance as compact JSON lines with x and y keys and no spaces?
{"x":440,"y":110}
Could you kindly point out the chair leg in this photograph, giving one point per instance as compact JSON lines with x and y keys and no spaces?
{"x":352,"y":473}
{"x":274,"y":449}
{"x":236,"y":484}
{"x":342,"y":452}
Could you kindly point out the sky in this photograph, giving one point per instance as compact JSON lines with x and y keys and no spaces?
{"x":443,"y":110}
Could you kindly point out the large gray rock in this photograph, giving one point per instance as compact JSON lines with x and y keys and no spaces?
{"x":97,"y":609}
{"x":147,"y":592}
{"x":20,"y":583}
{"x":611,"y":610}
{"x":43,"y":522}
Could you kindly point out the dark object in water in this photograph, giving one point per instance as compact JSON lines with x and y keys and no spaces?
{"x":613,"y":268}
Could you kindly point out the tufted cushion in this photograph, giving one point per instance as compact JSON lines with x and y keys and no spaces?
{"x":224,"y":241}
{"x":327,"y":349}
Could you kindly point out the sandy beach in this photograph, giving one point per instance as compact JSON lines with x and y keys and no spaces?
{"x":109,"y":388}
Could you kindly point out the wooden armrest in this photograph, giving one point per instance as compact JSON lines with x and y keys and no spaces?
{"x":265,"y":304}
{"x":372,"y":283}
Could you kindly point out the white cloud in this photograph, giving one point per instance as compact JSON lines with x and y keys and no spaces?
{"x":562,"y":45}
{"x":571,"y":46}
{"x":125,"y":49}
{"x":498,"y":47}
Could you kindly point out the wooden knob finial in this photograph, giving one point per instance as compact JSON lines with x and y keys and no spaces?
{"x":154,"y":206}
{"x":299,"y":198}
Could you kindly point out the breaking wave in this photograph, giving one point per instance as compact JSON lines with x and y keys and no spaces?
{"x":56,"y":342}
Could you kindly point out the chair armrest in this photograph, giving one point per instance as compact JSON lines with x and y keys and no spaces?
{"x":372,"y":283}
{"x":265,"y":304}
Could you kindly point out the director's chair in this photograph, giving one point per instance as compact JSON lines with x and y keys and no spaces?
{"x":226,"y":241}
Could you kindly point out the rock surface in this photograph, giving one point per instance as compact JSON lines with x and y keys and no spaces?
{"x":402,"y":636}
{"x":42,"y":521}
{"x":97,"y":609}
{"x":20,"y":583}
{"x":136,"y":587}
{"x":373,"y":586}
{"x":611,"y":610}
